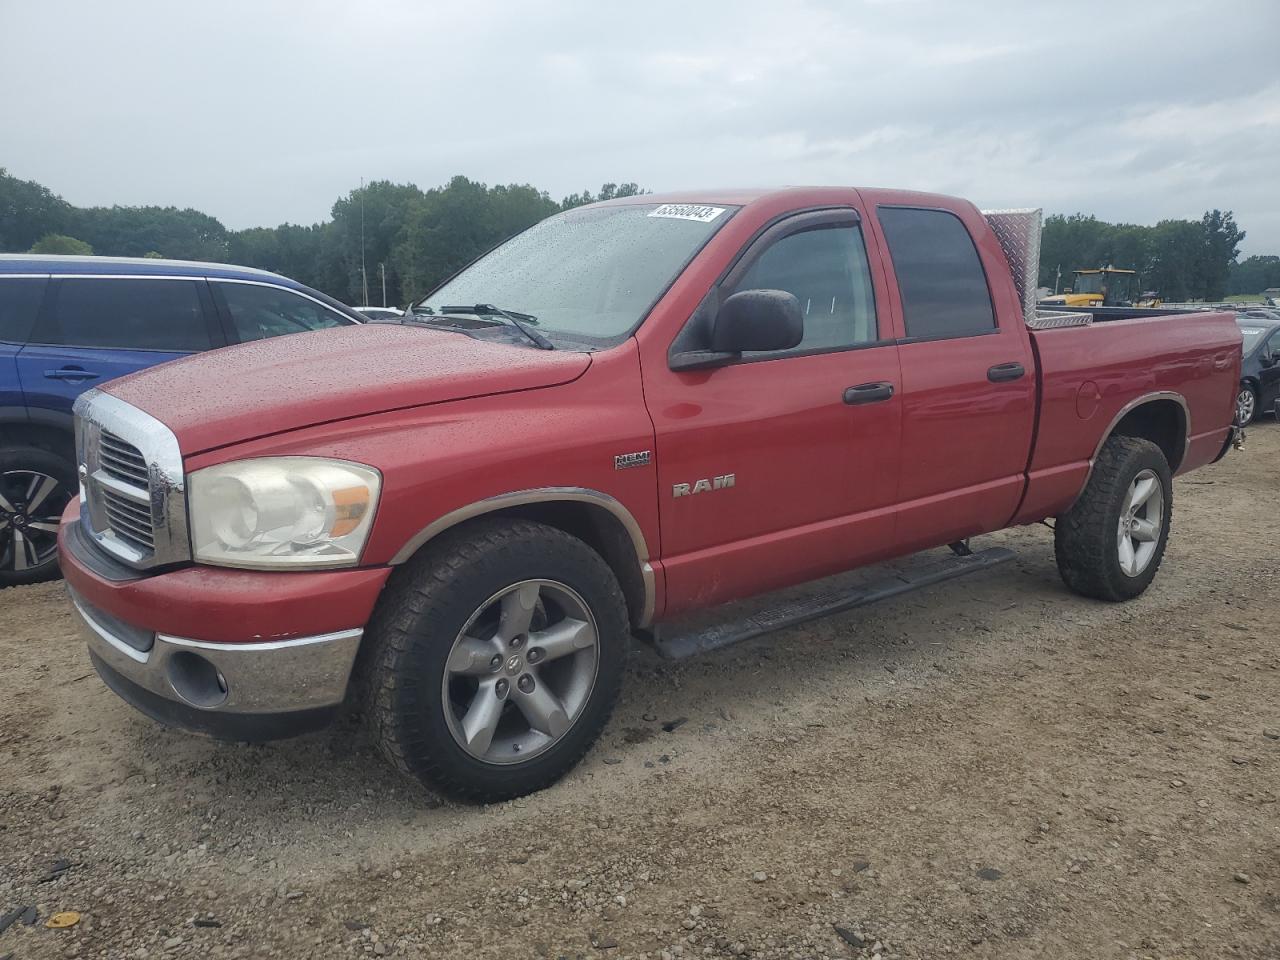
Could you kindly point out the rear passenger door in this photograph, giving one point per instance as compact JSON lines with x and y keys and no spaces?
{"x":968,"y":379}
{"x":20,"y":299}
{"x":94,"y":329}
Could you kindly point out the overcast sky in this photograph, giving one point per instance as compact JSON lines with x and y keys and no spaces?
{"x":265,"y":112}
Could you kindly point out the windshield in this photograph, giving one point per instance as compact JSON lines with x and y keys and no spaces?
{"x":592,"y":272}
{"x":1088,"y":283}
{"x":1251,"y":336}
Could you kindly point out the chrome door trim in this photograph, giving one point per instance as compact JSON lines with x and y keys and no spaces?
{"x":120,"y":276}
{"x":518,"y":498}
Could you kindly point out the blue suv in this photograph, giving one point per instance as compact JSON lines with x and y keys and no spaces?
{"x":70,"y":323}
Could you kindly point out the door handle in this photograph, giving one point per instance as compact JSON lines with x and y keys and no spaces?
{"x":1004,"y":372}
{"x":71,"y":374}
{"x":868,"y":393}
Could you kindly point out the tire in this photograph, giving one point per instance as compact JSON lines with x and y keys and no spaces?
{"x":35,"y":487}
{"x":1089,"y":538}
{"x":424,"y":681}
{"x":1246,"y":405}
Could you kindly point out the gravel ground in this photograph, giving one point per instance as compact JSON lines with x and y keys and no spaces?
{"x":990,"y":768}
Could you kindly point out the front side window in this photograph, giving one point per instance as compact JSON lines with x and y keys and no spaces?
{"x":259,"y":312}
{"x":592,"y":272}
{"x":944,"y":290}
{"x":19,"y":303}
{"x":127,"y":314}
{"x":826,"y":270}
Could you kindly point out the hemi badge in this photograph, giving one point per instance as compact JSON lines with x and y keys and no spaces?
{"x":625,"y":461}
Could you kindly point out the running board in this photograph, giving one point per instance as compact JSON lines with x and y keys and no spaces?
{"x":795,"y":612}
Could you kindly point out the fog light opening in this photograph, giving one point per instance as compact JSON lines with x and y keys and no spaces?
{"x":196,"y":680}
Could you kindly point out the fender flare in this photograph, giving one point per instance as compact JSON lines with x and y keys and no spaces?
{"x":517,"y":498}
{"x":1133,"y":405}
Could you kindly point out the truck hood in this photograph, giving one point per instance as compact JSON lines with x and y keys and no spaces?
{"x":255,"y":389}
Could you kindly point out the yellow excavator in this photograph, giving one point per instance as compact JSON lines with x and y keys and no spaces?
{"x":1103,"y":287}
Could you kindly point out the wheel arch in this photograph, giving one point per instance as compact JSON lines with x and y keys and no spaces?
{"x":596,"y":518}
{"x":1161,"y":417}
{"x":52,"y":431}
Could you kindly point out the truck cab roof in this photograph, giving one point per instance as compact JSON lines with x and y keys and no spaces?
{"x":798,"y":195}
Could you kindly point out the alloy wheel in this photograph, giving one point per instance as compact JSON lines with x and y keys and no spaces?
{"x":521,"y":671}
{"x":1246,"y":403}
{"x":31,"y":505}
{"x":1141,"y":521}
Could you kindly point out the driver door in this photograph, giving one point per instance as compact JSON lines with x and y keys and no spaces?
{"x":775,"y":469}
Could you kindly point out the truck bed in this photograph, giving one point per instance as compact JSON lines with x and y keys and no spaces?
{"x":1090,"y":376}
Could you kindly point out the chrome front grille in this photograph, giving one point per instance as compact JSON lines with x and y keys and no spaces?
{"x":129,"y":520}
{"x":132,"y":494}
{"x":122,"y":460}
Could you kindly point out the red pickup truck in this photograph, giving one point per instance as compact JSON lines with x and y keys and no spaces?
{"x":629,"y":412}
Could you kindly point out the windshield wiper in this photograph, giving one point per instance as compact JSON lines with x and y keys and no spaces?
{"x":518,"y":320}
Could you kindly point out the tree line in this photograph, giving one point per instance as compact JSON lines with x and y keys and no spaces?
{"x":1178,"y":259}
{"x":419,"y":237}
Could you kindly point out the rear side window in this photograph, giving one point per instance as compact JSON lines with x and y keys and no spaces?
{"x":826,"y":270}
{"x":127,"y":314}
{"x":258,"y":312}
{"x":19,"y":303}
{"x":944,"y":290}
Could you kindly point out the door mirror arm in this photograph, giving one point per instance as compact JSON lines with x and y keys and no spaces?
{"x":700,"y":359}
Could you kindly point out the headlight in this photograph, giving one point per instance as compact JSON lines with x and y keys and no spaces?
{"x":282,"y":512}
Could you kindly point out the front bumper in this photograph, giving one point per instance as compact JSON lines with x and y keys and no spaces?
{"x":235,"y":654}
{"x":234,"y":691}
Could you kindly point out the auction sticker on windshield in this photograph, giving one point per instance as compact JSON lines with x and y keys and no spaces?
{"x":687,"y":211}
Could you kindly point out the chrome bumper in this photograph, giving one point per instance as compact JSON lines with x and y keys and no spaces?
{"x":306,"y":674}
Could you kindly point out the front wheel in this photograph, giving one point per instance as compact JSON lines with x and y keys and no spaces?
{"x":496,"y":659}
{"x":35,"y":487}
{"x":1246,"y":405}
{"x":1110,"y":543}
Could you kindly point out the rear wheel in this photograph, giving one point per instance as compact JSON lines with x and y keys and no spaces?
{"x":496,"y":659}
{"x":1110,"y":543}
{"x":1246,"y":405}
{"x":35,"y":487}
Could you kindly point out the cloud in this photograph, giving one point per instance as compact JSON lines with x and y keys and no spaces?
{"x":261,"y":113}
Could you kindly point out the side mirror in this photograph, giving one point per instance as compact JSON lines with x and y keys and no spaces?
{"x":757,"y":320}
{"x":750,"y":320}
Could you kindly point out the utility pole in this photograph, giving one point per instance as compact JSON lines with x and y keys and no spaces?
{"x":364,"y":275}
{"x":382,"y":268}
